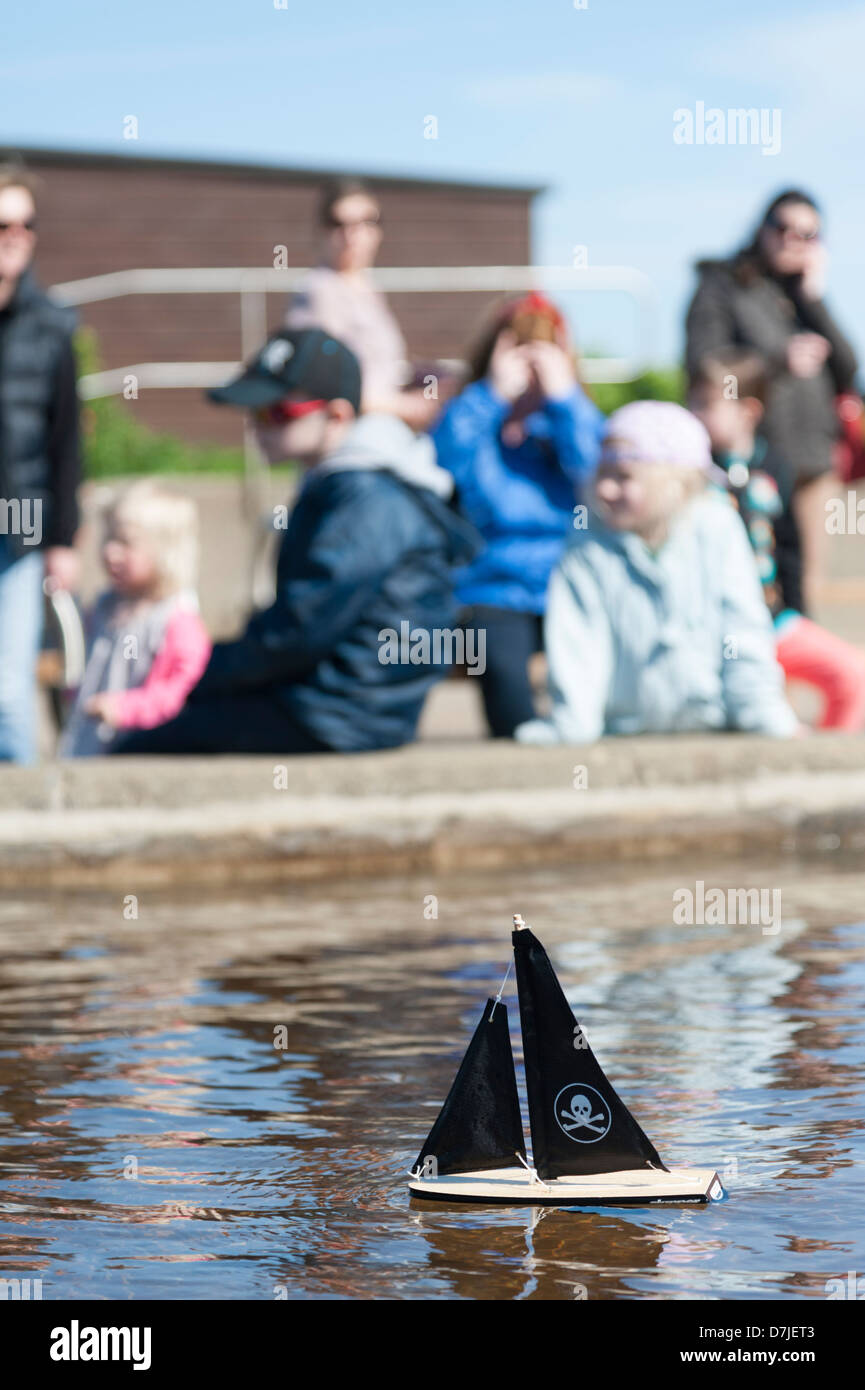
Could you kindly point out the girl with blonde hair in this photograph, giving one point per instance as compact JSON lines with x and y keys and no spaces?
{"x":147,"y":645}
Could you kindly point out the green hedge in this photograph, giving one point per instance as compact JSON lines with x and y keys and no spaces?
{"x":660,"y":384}
{"x":115,"y":443}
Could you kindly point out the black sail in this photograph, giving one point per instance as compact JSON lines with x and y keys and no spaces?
{"x":579,"y":1125}
{"x":479,"y":1125}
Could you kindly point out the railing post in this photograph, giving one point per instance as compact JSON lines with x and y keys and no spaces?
{"x":253,"y":318}
{"x":253,"y":331}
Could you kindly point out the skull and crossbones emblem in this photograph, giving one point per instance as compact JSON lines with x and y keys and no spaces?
{"x":582,"y":1113}
{"x":581,"y":1117}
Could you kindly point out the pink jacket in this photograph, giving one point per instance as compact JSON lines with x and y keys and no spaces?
{"x":177,"y":667}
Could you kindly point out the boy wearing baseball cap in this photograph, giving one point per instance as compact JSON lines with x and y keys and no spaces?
{"x":370,"y":545}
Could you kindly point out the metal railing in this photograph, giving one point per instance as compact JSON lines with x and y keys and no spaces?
{"x":254,"y":285}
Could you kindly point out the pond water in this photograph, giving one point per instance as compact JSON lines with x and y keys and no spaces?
{"x":155,"y":1143}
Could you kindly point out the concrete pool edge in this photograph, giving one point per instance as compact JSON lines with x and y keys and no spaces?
{"x":441,"y":806}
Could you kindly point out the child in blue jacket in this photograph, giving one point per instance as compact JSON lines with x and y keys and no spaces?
{"x":519,"y":440}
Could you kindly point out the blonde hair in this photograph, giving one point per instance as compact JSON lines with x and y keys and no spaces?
{"x":169,"y":522}
{"x":687,"y":482}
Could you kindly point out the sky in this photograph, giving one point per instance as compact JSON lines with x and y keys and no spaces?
{"x":580,"y":100}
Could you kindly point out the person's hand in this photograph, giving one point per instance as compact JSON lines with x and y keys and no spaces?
{"x":813,"y":282}
{"x":62,"y":566}
{"x":104,"y":707}
{"x":806,"y":354}
{"x":509,"y":371}
{"x":553,"y":368}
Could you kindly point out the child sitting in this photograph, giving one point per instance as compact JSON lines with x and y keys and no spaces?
{"x":518,"y":439}
{"x":655,"y":620}
{"x":147,"y":645}
{"x":728,"y":393}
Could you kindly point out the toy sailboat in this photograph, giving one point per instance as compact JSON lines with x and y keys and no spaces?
{"x":587,"y":1147}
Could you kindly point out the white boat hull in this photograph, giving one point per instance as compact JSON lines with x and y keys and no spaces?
{"x":515,"y":1186}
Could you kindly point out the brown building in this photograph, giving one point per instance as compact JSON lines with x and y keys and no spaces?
{"x":100,"y":213}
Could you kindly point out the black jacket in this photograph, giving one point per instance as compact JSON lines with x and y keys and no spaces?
{"x":364,"y":581}
{"x":40,"y":463}
{"x":763,"y":314}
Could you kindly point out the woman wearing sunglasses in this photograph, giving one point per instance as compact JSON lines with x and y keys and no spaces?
{"x":340,"y":297}
{"x":769,"y":297}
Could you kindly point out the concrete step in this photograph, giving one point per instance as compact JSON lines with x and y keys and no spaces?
{"x":125,"y":822}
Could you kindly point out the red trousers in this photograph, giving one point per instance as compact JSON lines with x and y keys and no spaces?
{"x":810,"y":654}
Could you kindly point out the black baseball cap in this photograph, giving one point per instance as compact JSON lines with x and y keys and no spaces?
{"x":309,"y":361}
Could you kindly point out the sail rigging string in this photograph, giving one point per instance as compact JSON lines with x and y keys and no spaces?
{"x":498,"y":998}
{"x":532,"y":1172}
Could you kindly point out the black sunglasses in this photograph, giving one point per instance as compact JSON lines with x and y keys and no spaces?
{"x":337,"y":223}
{"x":781,"y":226}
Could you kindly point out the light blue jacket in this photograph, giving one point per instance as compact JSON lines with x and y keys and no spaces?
{"x":680,"y":639}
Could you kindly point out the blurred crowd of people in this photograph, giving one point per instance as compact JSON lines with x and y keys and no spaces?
{"x":663,"y":559}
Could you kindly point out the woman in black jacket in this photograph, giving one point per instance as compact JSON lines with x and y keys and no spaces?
{"x":769,"y":297}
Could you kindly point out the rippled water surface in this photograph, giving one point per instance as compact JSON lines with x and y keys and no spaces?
{"x":155,"y":1143}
